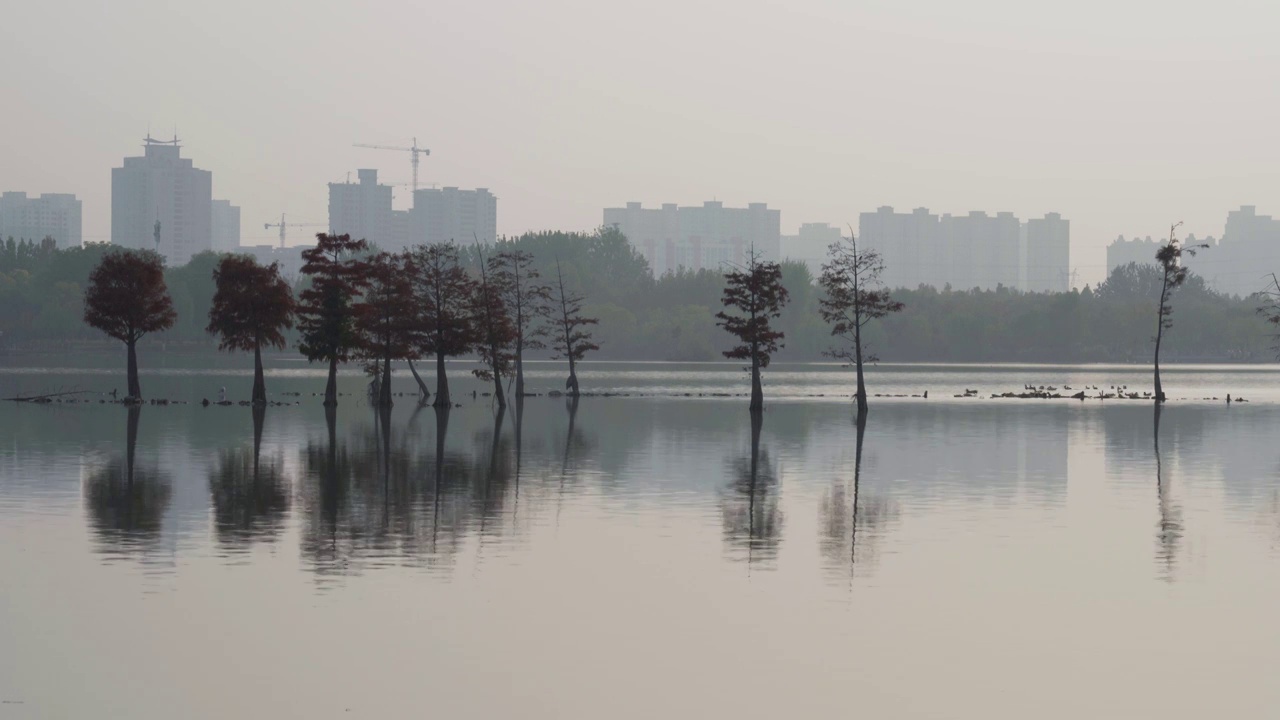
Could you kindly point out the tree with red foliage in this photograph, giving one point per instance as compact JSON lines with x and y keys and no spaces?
{"x":444,"y":294}
{"x":496,"y":331}
{"x":757,"y":294}
{"x":126,"y":299}
{"x":326,"y":313}
{"x":854,"y":297}
{"x":574,"y":341}
{"x":527,"y":300}
{"x":387,"y":321}
{"x":252,"y":305}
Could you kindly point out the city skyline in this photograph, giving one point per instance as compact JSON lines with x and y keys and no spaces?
{"x":1030,"y":113}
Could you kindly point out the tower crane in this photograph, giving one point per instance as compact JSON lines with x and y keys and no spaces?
{"x":413,"y":150}
{"x":283,"y":225}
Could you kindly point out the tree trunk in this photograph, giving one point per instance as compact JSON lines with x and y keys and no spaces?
{"x":572,"y":384}
{"x":1159,"y":389}
{"x":384,"y":398}
{"x":442,"y":383}
{"x":497,"y":388}
{"x":862,"y":385}
{"x":422,"y":387}
{"x":757,"y":392}
{"x":1164,"y":291}
{"x":331,"y":388}
{"x":259,"y":385}
{"x":135,"y":390}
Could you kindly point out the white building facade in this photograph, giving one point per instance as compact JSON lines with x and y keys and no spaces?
{"x":974,"y":250}
{"x":163,"y":188}
{"x":364,"y":210}
{"x":55,"y":215}
{"x":451,"y":214}
{"x":225,"y":226}
{"x":710,"y":236}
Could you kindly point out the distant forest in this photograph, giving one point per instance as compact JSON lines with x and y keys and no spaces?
{"x":673,"y":317}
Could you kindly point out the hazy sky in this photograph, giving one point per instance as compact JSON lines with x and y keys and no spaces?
{"x":1122,"y":116}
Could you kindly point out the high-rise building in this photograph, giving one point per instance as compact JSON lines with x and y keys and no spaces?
{"x":363,"y":210}
{"x":55,"y":215}
{"x":450,"y":214}
{"x":1249,"y":249}
{"x":975,"y":250}
{"x":698,"y":237}
{"x":1048,"y":254}
{"x":1122,"y":252}
{"x":810,"y":244}
{"x":161,"y":188}
{"x":225,"y":226}
{"x":910,"y":244}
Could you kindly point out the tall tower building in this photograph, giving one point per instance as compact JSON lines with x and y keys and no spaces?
{"x":1048,"y":254}
{"x":162,"y":187}
{"x":55,"y":215}
{"x":363,"y":211}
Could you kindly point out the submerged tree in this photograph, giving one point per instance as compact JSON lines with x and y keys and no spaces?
{"x":496,"y":333}
{"x":528,"y":303}
{"x":574,"y":340}
{"x":253,"y":305}
{"x":854,"y":297}
{"x":387,"y":322}
{"x":444,"y":292}
{"x":126,"y":299}
{"x":756,"y":292}
{"x":1173,"y":275}
{"x":326,"y":315}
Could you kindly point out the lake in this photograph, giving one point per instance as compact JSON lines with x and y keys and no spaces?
{"x":652,"y":553}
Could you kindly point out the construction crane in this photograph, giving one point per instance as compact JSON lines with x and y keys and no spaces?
{"x":414,"y":152}
{"x":283,"y":225}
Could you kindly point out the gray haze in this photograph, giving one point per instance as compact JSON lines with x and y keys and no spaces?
{"x":1121,"y":116}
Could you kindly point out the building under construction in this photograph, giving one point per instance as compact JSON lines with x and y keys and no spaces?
{"x":363,"y":209}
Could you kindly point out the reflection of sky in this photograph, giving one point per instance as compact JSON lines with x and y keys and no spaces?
{"x":1015,"y":541}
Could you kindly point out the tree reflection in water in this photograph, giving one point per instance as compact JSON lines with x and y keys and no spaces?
{"x":250,"y":495}
{"x":1169,"y":529}
{"x":388,"y":496}
{"x":749,"y":505}
{"x":127,"y":501}
{"x":851,"y":521}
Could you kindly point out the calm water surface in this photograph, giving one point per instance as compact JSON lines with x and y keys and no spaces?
{"x":646,"y":556}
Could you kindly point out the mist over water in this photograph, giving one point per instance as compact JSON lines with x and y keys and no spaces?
{"x":642,"y":556}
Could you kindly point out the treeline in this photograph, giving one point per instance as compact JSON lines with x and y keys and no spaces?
{"x":673,"y":317}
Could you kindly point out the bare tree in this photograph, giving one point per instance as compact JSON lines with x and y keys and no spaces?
{"x":1169,"y":257}
{"x":574,"y":341}
{"x":528,"y":303}
{"x":1270,"y":309}
{"x":496,"y":331}
{"x":854,"y":297}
